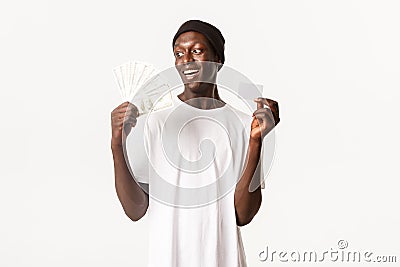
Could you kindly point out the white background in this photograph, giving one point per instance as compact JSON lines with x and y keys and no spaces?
{"x":332,"y":65}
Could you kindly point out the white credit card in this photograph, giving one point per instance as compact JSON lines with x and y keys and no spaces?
{"x":248,"y":92}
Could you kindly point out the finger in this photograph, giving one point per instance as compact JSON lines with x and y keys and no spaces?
{"x":275,"y":109}
{"x":254,"y":122}
{"x":117,"y":122}
{"x":132,"y":113}
{"x":265,"y":117}
{"x":268,"y":102}
{"x":260,"y":118}
{"x":132,"y":109}
{"x":130,"y":120}
{"x":125,"y":116}
{"x":127,"y":129}
{"x":128,"y":111}
{"x":130,"y":124}
{"x":123,"y":105}
{"x":121,"y":109}
{"x":263,"y":111}
{"x":117,"y":117}
{"x":123,"y":124}
{"x":263,"y":121}
{"x":273,"y":106}
{"x":259,"y":103}
{"x":271,"y":102}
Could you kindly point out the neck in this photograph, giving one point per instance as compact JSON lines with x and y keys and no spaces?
{"x":205,"y":99}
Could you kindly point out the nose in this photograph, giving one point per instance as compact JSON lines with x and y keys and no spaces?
{"x":187,"y":57}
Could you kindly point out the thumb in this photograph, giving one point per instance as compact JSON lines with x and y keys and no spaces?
{"x":254,"y":122}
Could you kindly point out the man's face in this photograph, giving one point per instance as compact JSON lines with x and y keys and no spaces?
{"x":190,"y":50}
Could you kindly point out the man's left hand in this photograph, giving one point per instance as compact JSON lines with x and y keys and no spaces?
{"x":265,"y":118}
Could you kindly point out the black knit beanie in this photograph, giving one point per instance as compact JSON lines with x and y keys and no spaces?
{"x":213,"y":35}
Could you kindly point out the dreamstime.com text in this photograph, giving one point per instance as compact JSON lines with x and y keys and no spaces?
{"x":339,"y":254}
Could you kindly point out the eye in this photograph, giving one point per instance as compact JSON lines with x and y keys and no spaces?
{"x":178,"y":54}
{"x":197,"y":51}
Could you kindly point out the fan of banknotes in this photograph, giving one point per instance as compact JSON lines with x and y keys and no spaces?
{"x":142,"y":85}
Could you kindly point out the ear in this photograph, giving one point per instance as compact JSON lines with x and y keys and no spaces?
{"x":218,"y":60}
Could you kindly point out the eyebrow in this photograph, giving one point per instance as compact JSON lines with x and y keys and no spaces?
{"x":191,"y":42}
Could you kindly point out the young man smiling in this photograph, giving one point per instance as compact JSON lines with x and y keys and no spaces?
{"x":197,"y":222}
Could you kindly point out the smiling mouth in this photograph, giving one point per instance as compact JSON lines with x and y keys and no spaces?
{"x":190,"y":73}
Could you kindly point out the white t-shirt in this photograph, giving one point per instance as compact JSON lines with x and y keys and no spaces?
{"x":195,"y":158}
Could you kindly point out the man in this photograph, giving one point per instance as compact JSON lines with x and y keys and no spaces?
{"x":196,"y":223}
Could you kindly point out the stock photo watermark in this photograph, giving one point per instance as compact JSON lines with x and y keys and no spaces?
{"x":339,"y":254}
{"x":219,"y":136}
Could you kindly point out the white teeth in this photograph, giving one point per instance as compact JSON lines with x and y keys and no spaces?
{"x":188,"y":72}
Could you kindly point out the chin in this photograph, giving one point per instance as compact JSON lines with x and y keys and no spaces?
{"x":194,"y":86}
{"x":197,"y":87}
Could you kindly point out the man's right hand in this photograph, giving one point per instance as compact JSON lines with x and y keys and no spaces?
{"x":123,"y":119}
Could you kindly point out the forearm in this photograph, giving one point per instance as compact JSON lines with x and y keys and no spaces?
{"x":248,"y":203}
{"x":132,"y":197}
